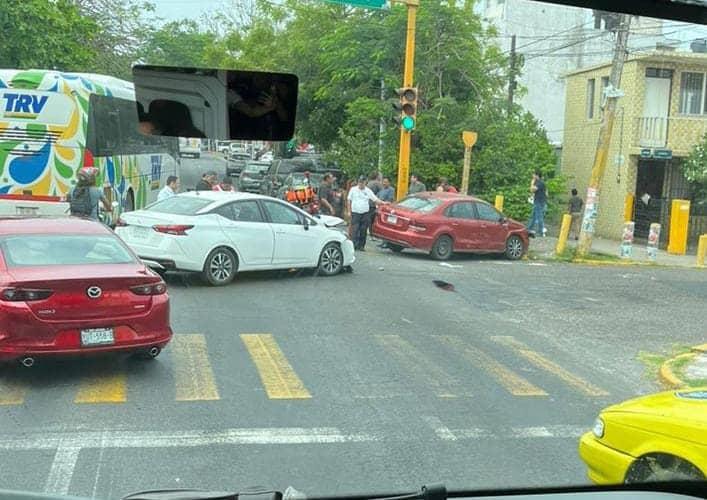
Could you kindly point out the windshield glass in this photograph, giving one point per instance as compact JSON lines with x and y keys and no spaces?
{"x":57,"y":250}
{"x":516,"y":299}
{"x":180,"y":205}
{"x":418,"y":204}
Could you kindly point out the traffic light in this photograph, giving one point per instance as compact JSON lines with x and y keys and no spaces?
{"x":407,"y":107}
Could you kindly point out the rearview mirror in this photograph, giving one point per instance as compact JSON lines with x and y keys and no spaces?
{"x":215,"y":103}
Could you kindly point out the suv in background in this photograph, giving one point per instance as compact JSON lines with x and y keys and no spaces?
{"x":280,"y":169}
{"x":252,"y":176}
{"x":236,"y":163}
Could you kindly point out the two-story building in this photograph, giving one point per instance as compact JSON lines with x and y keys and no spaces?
{"x":661,"y":116}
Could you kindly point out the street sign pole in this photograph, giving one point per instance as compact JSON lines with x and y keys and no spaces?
{"x":405,"y":136}
{"x":469,"y":139}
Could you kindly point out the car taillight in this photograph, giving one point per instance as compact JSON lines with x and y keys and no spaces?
{"x":174,"y":229}
{"x":120,"y":222}
{"x":149,"y":289}
{"x":416,"y":226}
{"x":24,"y":294}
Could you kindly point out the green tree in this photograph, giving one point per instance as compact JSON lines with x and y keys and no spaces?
{"x":46,"y":35}
{"x":178,"y":43}
{"x":695,"y":170}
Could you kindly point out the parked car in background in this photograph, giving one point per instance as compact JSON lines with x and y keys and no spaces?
{"x":252,"y":176}
{"x":70,"y":286}
{"x":659,"y":437}
{"x":190,"y":146}
{"x":219,"y":234}
{"x":236,"y":163}
{"x":223,"y":147}
{"x":445,"y":223}
{"x":280,"y":169}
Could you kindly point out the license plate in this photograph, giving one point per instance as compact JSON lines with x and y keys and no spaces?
{"x":393,"y":219}
{"x":141,"y":233}
{"x":97,"y":336}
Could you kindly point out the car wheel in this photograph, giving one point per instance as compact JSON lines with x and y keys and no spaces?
{"x":662,"y":467}
{"x":514,"y":247}
{"x":331,"y":260}
{"x":442,"y":249}
{"x":220,"y":267}
{"x":395,"y":248}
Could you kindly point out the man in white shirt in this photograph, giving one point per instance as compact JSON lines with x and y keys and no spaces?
{"x":359,"y":197}
{"x":170,"y":188}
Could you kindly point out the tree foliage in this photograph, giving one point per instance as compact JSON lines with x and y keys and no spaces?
{"x":695,"y":169}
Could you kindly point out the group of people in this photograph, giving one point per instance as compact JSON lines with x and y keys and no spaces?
{"x":363,"y":198}
{"x":208,"y":182}
{"x":538,"y":197}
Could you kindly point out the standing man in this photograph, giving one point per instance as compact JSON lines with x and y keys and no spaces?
{"x":170,"y":188}
{"x":326,"y":195}
{"x":375,"y":186}
{"x":415,"y":185}
{"x":387,"y":193}
{"x":207,"y":181}
{"x":539,"y":191}
{"x":359,"y":198}
{"x":575,"y":210}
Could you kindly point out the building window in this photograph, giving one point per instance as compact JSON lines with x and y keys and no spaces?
{"x":590,"y":98}
{"x":692,"y":93}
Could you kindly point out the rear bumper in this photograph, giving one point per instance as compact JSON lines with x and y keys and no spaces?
{"x":69,"y":344}
{"x":404,"y":238}
{"x":168,"y":252}
{"x":604,"y":465}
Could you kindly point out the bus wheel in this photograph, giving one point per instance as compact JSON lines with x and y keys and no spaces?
{"x":129,"y":202}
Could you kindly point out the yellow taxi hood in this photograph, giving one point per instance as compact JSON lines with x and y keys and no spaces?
{"x":682,"y":405}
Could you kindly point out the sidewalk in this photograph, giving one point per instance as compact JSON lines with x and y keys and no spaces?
{"x":545,"y":248}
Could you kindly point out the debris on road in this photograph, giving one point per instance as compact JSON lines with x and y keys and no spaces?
{"x":452,"y":266}
{"x":443,"y":285}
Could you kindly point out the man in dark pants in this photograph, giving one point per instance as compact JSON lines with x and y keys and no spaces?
{"x":359,"y":198}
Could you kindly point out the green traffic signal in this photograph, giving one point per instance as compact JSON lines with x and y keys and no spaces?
{"x":408,"y":123}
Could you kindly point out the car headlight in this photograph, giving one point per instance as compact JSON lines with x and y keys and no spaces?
{"x":598,"y":429}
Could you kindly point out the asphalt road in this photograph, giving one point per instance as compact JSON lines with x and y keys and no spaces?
{"x":375,"y":380}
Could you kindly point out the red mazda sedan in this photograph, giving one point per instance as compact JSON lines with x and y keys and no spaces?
{"x":444,"y":223}
{"x":70,"y":286}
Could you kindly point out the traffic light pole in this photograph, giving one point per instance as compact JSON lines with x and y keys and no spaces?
{"x":405,"y":136}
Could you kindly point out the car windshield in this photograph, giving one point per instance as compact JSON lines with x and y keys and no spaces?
{"x":180,"y":205}
{"x":60,"y":249}
{"x":517,"y":298}
{"x":420,"y":204}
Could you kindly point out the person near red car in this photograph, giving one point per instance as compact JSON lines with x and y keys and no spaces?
{"x":360,"y":197}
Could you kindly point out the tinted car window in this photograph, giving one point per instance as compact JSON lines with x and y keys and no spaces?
{"x":485,"y":211}
{"x":461,"y":210}
{"x":246,"y":211}
{"x":281,"y":214}
{"x":62,"y":249}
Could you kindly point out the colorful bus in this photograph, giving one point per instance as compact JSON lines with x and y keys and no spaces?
{"x":53,"y":123}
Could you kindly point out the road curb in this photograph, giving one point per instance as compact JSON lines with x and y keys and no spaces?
{"x":667,"y":376}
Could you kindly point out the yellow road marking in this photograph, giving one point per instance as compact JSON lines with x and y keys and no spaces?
{"x":511,"y":381}
{"x":550,"y":366}
{"x":12,"y":392}
{"x":103,"y":388}
{"x":194,"y":378}
{"x":276,"y":374}
{"x":420,"y":365}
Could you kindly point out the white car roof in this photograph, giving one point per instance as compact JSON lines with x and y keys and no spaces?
{"x":223,"y":196}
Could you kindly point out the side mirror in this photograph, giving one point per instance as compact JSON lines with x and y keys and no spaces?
{"x":305,"y":223}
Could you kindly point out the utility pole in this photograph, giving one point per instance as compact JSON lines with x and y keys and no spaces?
{"x":591,"y":205}
{"x":381,"y":130}
{"x":512,"y":75}
{"x":405,"y":136}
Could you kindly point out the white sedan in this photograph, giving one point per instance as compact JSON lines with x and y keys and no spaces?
{"x":220,"y":233}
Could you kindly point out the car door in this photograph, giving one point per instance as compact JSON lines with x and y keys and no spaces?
{"x":493,"y":228}
{"x":465,"y":226}
{"x":251,"y":235}
{"x":296,"y":244}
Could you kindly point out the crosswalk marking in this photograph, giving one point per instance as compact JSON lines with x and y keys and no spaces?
{"x":511,"y":381}
{"x":420,"y":365}
{"x":12,"y":392}
{"x":194,"y":378}
{"x":276,"y":373}
{"x":550,"y":366}
{"x":103,"y":388}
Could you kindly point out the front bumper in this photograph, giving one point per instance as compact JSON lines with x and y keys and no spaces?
{"x":347,"y":247}
{"x":604,"y":465}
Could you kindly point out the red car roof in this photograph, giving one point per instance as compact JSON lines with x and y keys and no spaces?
{"x":50,"y":225}
{"x":448,"y":196}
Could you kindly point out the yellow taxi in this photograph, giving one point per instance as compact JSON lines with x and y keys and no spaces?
{"x":661,"y":437}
